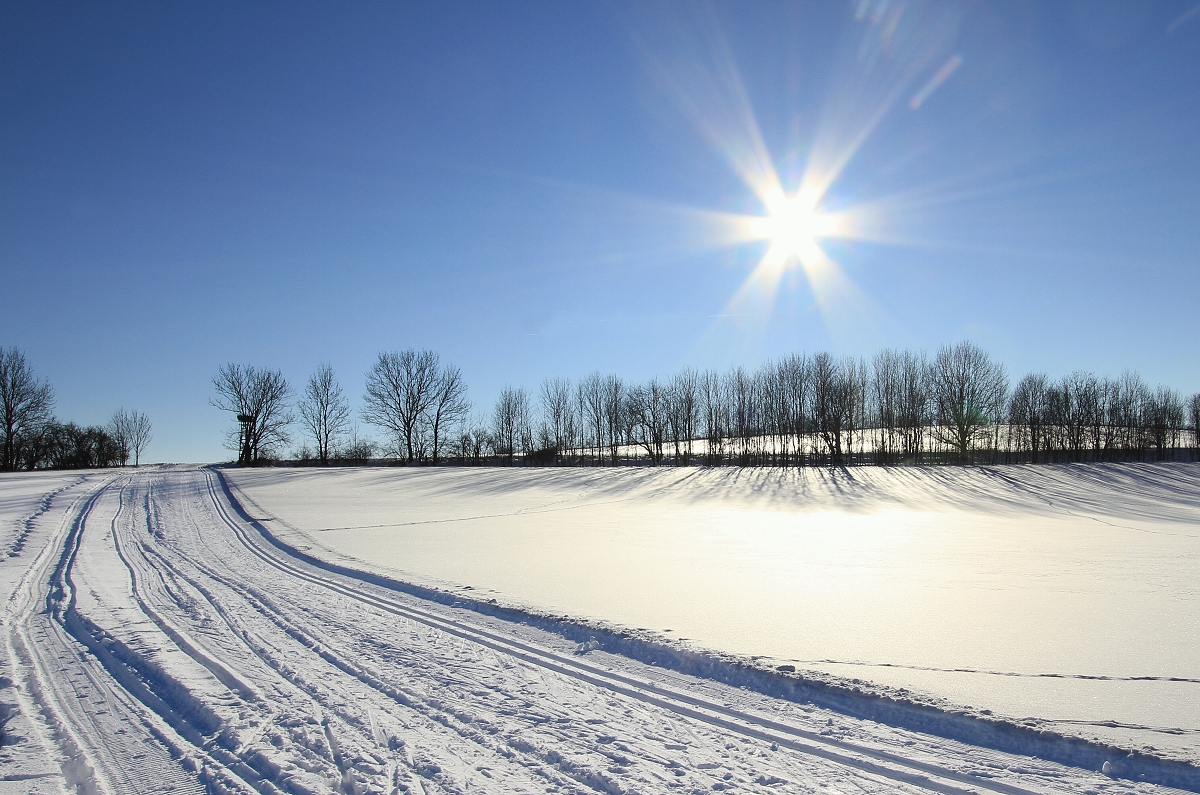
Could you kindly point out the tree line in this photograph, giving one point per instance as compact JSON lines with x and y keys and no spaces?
{"x":33,"y":438}
{"x":897,"y":407}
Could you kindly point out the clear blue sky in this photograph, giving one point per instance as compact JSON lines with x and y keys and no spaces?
{"x":544,"y":189}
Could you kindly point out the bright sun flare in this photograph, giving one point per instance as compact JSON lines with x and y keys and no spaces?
{"x":793,"y":226}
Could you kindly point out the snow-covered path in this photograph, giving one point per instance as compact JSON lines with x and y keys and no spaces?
{"x":155,"y":640}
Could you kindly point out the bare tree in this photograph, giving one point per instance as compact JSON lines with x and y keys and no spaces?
{"x":400,"y":389}
{"x":260,"y":400}
{"x":510,"y":423}
{"x":1164,"y":420}
{"x":969,"y":391}
{"x":1194,"y":418}
{"x":1027,"y":412}
{"x":1126,"y":411}
{"x":614,"y":414}
{"x":740,"y":391}
{"x":769,"y":411}
{"x":118,"y":429}
{"x":590,"y":396}
{"x":59,"y":445}
{"x":449,"y":405}
{"x":886,"y":390}
{"x":25,"y":403}
{"x":1070,"y":409}
{"x":1086,"y":399}
{"x":913,"y":417}
{"x":357,"y":448}
{"x":558,"y":415}
{"x":833,"y":404}
{"x":795,"y":387}
{"x":140,"y":435}
{"x":839,"y":411}
{"x":473,"y":438}
{"x":646,"y":407}
{"x":1103,"y":436}
{"x":684,"y":406}
{"x":858,"y":377}
{"x":714,"y":413}
{"x":324,"y":411}
{"x":131,"y":431}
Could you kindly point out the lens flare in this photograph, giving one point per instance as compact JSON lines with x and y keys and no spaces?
{"x":889,"y":51}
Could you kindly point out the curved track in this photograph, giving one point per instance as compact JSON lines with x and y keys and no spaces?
{"x":163,"y":644}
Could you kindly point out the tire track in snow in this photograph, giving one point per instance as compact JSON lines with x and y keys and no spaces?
{"x":236,"y":609}
{"x":175,"y":718}
{"x":26,"y":525}
{"x":867,"y":760}
{"x":439,"y":717}
{"x":315,"y":691}
{"x":110,"y":743}
{"x":219,"y":671}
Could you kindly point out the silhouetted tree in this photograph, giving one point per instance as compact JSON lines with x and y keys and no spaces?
{"x":885,"y":392}
{"x":714,"y":415}
{"x":590,"y":397}
{"x":25,"y":403}
{"x":1164,"y":420}
{"x":356,"y":448}
{"x":833,"y":404}
{"x":646,"y":407}
{"x":131,"y":431}
{"x":260,"y":400}
{"x":969,"y":391}
{"x":740,"y":392}
{"x":1126,"y":413}
{"x":510,"y":423}
{"x":400,"y":389}
{"x":140,"y":435}
{"x":76,"y":447}
{"x":1027,"y":412}
{"x":117,"y":428}
{"x":613,"y":391}
{"x":449,"y":405}
{"x":324,"y":411}
{"x":558,"y":416}
{"x":795,"y":396}
{"x":473,"y":439}
{"x":683,"y":406}
{"x":1194,"y":419}
{"x":913,"y":416}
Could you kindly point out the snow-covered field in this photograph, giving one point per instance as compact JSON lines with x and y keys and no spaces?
{"x":159,"y":635}
{"x":1063,"y":594}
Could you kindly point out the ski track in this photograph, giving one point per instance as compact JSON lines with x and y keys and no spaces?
{"x":157,"y":642}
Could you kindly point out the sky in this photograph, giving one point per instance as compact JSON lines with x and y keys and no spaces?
{"x":549,"y":189}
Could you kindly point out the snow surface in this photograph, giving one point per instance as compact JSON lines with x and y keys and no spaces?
{"x":1065,"y":594}
{"x":158,"y":636}
{"x":26,"y":762}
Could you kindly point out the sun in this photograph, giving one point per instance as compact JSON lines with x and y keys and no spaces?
{"x":793,"y":225}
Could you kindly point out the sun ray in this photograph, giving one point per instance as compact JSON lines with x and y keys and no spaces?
{"x":892,"y":49}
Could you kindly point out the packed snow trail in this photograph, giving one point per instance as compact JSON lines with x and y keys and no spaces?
{"x":157,"y":641}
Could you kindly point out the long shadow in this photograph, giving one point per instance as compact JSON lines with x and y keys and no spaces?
{"x":1155,"y":492}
